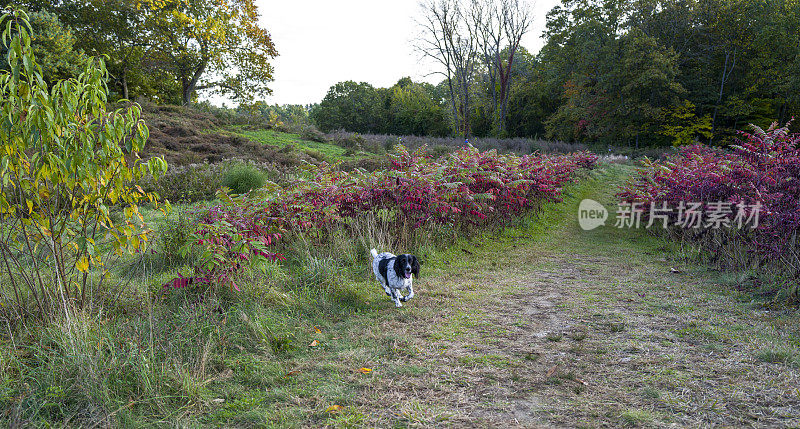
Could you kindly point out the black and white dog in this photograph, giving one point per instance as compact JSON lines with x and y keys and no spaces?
{"x":395,"y":273}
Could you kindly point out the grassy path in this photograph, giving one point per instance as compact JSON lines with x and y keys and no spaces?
{"x":547,"y":325}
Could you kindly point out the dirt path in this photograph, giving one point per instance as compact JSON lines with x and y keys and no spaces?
{"x":566,"y":328}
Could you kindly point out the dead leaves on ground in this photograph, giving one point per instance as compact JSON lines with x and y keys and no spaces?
{"x":334,"y":409}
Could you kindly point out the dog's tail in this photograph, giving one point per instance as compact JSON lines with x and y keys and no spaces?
{"x":374,"y":252}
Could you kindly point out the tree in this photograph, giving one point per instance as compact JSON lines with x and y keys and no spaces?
{"x":530,"y":101}
{"x":53,"y":44}
{"x":65,"y":161}
{"x":448,"y":39}
{"x":414,"y":110}
{"x":684,"y":126}
{"x":647,"y":85}
{"x":116,"y":28}
{"x":500,"y":26}
{"x":211,"y":44}
{"x":358,"y":107}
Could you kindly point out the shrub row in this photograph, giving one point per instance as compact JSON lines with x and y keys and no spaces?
{"x":763,"y":168}
{"x":465,"y":191}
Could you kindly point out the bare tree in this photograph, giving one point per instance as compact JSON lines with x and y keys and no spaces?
{"x":449,"y":40}
{"x":459,"y":35}
{"x":500,"y":24}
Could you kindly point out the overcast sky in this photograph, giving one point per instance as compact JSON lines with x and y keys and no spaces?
{"x":322,"y":42}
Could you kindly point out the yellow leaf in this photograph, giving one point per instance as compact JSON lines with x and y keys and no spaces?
{"x":317,"y":330}
{"x":333,"y":408}
{"x":314,"y":343}
{"x":365,"y":370}
{"x":82,"y":264}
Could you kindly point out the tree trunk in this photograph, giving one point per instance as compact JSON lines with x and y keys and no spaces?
{"x":189,"y":85}
{"x":124,"y":84}
{"x":453,"y":103}
{"x":505,"y":90}
{"x":726,"y":73}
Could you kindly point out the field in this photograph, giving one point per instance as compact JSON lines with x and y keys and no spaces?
{"x":207,"y":266}
{"x":533,"y":323}
{"x":537,"y":324}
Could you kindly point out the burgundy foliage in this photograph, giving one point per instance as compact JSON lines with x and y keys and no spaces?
{"x":763,"y":167}
{"x":465,"y":189}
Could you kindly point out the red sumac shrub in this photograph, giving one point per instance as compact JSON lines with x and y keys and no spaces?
{"x":764,"y":167}
{"x":465,"y":189}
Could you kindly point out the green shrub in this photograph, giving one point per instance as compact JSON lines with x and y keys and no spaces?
{"x":311,"y":133}
{"x":66,"y":159}
{"x":319,"y":156}
{"x":189,"y":184}
{"x":243,"y":178}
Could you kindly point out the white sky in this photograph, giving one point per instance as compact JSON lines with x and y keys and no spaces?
{"x":322,"y":42}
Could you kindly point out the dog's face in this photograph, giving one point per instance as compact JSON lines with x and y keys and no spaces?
{"x":405,"y":265}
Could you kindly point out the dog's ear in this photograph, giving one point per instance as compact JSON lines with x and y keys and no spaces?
{"x":400,"y":267}
{"x":415,"y":263}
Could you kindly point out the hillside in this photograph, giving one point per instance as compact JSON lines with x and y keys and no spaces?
{"x":188,"y":136}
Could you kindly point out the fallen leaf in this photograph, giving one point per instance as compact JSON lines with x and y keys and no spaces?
{"x":552,"y":371}
{"x":365,"y":370}
{"x":675,"y":270}
{"x":317,"y":330}
{"x":336,"y":338}
{"x":333,"y":408}
{"x":218,"y":400}
{"x":291,"y":373}
{"x":314,"y":343}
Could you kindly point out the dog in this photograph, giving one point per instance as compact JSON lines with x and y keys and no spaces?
{"x":395,"y":273}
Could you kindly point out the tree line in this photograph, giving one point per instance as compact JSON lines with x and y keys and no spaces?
{"x":637,"y":72}
{"x":165,"y":50}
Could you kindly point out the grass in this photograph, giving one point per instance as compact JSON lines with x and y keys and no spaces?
{"x":476,"y":347}
{"x":636,"y":417}
{"x":330,"y":152}
{"x":779,"y":355}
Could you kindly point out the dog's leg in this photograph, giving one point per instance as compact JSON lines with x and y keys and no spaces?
{"x":410,"y":292}
{"x":396,"y":297}
{"x":383,"y":285}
